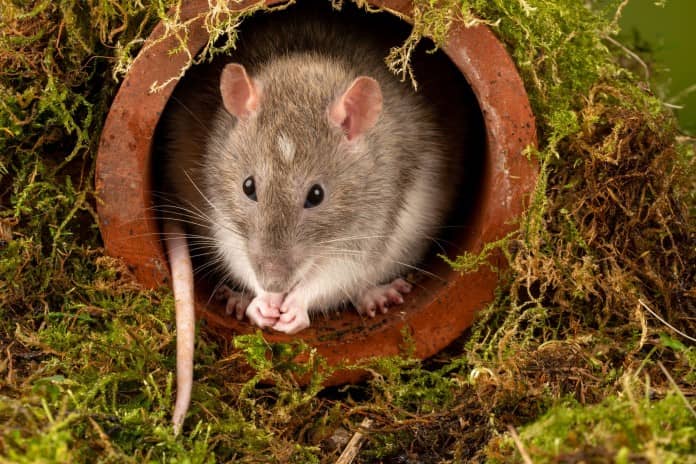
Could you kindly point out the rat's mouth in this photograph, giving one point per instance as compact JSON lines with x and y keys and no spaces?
{"x":285,"y":288}
{"x":290,"y":282}
{"x":282,"y":283}
{"x":273,"y":286}
{"x":273,"y":276}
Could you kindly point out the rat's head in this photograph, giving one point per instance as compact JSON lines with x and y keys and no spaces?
{"x":297,"y":162}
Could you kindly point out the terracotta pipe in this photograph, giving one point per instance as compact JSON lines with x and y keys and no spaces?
{"x":434,"y":315}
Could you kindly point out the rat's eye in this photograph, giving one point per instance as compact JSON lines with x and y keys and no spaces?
{"x":314,"y":196}
{"x":249,"y":188}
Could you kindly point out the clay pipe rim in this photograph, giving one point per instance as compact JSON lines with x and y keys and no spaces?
{"x":434,"y":317}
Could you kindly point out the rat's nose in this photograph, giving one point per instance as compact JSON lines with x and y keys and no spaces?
{"x":273,"y":272}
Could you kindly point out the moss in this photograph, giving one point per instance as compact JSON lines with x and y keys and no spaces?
{"x":87,"y":355}
{"x":620,"y":429}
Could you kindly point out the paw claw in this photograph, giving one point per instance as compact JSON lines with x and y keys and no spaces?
{"x":381,"y":297}
{"x":235,"y":302}
{"x":401,"y":286}
{"x":394,"y":296}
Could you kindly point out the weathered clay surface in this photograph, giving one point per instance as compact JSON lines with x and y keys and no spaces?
{"x":434,"y":313}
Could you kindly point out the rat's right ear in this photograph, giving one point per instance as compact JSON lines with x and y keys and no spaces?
{"x":241,"y":95}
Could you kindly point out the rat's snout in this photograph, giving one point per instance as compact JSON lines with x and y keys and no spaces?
{"x":273,"y":271}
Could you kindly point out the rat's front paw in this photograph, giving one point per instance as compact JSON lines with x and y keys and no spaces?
{"x":294,"y":316}
{"x":235,"y":302}
{"x":264,"y":310}
{"x":381,"y":296}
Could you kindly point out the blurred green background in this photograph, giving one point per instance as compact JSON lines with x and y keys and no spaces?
{"x":667,"y":31}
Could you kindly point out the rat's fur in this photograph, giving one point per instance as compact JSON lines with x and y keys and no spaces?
{"x":386,"y":192}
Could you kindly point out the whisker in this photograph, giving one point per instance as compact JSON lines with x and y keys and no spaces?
{"x":374,"y":253}
{"x":346,"y":239}
{"x":181,"y":220}
{"x":193,"y":183}
{"x":210,"y":266}
{"x":191,"y":113}
{"x":341,"y":251}
{"x":217,"y":287}
{"x":175,"y":203}
{"x":434,"y":240}
{"x":175,"y":206}
{"x":421,"y":270}
{"x":200,"y":255}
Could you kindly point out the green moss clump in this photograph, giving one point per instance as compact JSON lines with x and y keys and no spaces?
{"x":620,"y":429}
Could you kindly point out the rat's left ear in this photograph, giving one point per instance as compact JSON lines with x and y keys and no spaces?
{"x":357,"y":110}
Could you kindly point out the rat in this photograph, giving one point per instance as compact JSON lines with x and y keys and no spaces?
{"x":306,"y":172}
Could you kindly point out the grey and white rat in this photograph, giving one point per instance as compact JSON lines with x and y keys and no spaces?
{"x":311,"y":172}
{"x":306,"y":171}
